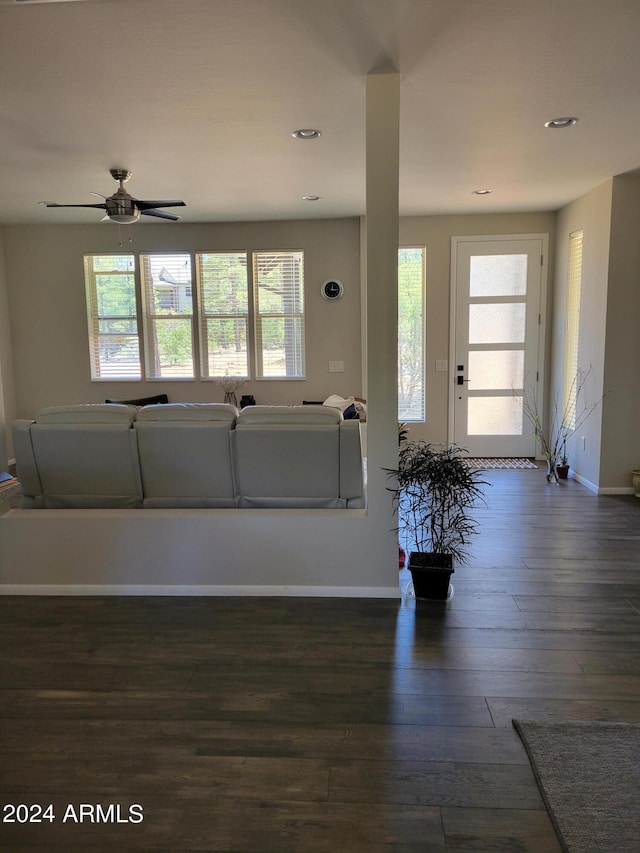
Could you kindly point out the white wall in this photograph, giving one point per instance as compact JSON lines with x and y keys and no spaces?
{"x":48,"y":315}
{"x":592,"y":214}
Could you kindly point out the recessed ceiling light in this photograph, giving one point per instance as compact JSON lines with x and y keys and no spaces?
{"x":482,"y":192}
{"x":306,"y":133}
{"x":311,"y":197}
{"x":559,"y":123}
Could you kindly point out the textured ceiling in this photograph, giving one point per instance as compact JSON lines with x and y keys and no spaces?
{"x":199,"y":98}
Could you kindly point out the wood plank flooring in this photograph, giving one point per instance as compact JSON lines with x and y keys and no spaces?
{"x":320,"y":725}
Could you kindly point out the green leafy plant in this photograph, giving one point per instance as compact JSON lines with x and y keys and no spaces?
{"x":434,"y":492}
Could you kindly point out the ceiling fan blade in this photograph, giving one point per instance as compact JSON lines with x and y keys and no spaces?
{"x":160,"y":214}
{"x":98,"y":194}
{"x":148,"y":205}
{"x":55,"y":204}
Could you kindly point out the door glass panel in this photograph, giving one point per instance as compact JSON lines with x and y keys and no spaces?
{"x":495,"y":416}
{"x":496,"y":369}
{"x":502,"y":322}
{"x":498,"y":275}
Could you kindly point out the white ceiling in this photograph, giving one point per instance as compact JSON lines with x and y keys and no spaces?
{"x":199,"y":98}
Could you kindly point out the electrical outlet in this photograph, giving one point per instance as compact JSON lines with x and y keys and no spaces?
{"x":336,"y":367}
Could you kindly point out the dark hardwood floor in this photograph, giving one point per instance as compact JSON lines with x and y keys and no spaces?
{"x":339,"y":725}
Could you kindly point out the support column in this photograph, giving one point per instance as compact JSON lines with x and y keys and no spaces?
{"x":380,"y":259}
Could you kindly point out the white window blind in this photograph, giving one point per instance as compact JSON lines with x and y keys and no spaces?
{"x":167,"y":311}
{"x":223,"y":300}
{"x":114,"y":343}
{"x":411,"y":361}
{"x":574,"y":287}
{"x":278,"y":288}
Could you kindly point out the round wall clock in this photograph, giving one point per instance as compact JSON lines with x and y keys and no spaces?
{"x":332,"y":289}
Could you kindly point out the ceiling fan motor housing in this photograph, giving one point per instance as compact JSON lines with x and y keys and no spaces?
{"x":121,"y":207}
{"x":120,"y":174}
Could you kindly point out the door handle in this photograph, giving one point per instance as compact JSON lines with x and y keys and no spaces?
{"x":462,"y":380}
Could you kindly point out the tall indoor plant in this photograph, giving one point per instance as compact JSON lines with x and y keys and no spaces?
{"x":434,"y":492}
{"x":563,"y":421}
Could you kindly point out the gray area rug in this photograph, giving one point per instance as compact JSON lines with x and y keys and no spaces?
{"x":486,"y":464}
{"x":589,"y":778}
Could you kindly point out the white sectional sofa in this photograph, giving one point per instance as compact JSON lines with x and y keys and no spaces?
{"x":189,"y":455}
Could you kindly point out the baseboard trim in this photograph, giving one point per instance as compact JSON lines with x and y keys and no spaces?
{"x":603,"y":490}
{"x":584,"y":482}
{"x":200,"y":590}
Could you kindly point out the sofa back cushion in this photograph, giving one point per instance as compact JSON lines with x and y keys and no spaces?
{"x":185,"y":457}
{"x":288,"y":456}
{"x":87,"y":457}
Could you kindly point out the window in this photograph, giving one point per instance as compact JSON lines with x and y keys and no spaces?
{"x":278,"y":293}
{"x":411,"y":367}
{"x":223,"y":295}
{"x":114,"y":344}
{"x":574,"y":287}
{"x":167,"y":311}
{"x":155,"y":332}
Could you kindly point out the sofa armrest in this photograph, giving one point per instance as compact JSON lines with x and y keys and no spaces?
{"x":351,"y":472}
{"x":27,"y":469}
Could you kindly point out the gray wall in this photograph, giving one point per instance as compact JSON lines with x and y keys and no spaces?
{"x":620,"y":451}
{"x":592,"y":214}
{"x":609,"y":345}
{"x":7,"y":397}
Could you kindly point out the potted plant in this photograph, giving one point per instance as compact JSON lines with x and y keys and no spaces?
{"x":434,"y":492}
{"x":564,"y":420}
{"x":562,"y":468}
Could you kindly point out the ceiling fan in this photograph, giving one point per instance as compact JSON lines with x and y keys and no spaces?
{"x":124,"y":208}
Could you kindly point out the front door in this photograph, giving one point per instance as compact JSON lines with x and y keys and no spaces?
{"x":496,"y":319}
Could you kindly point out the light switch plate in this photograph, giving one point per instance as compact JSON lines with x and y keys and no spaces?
{"x":336,"y":367}
{"x":442,"y":364}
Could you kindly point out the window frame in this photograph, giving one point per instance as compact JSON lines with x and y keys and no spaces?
{"x":572,"y":326}
{"x":95,"y":318}
{"x":403,"y":417}
{"x":259,"y":316}
{"x":147,"y":316}
{"x":153,"y":320}
{"x":202,"y":316}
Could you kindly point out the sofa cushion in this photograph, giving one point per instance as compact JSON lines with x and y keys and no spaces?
{"x":185,"y":458}
{"x":87,"y":459}
{"x":87,"y":413}
{"x":188,"y":412}
{"x":288,"y":456}
{"x":293,"y":415}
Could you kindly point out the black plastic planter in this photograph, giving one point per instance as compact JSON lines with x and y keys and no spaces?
{"x":431,"y":574}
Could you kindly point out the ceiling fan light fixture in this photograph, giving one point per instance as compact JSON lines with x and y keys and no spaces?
{"x":306,"y":133}
{"x":124,"y":218}
{"x":561,"y":123}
